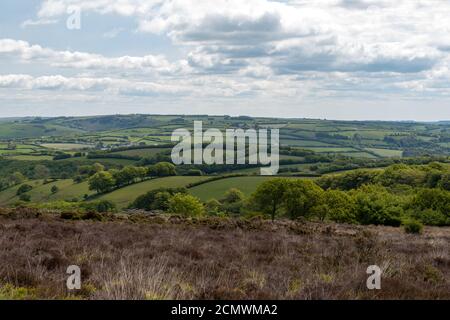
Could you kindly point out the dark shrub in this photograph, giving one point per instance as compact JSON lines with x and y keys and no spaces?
{"x":25,"y":197}
{"x":23,"y":189}
{"x":154,"y":200}
{"x":413,"y":226}
{"x":100,"y":206}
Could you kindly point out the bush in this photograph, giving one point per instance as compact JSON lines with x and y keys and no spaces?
{"x":213,"y":207}
{"x":54,"y":189}
{"x":62,"y":156}
{"x":186,"y":205}
{"x":194,"y":172}
{"x":155,"y":199}
{"x":25,"y":197}
{"x":23,"y":189}
{"x":100,"y":206}
{"x":435,"y":199}
{"x":413,"y":226}
{"x":70,"y":215}
{"x":233,"y":196}
{"x":429,"y":217}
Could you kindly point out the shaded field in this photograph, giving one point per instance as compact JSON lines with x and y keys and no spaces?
{"x":143,"y":257}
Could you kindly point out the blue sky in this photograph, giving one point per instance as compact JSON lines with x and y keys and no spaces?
{"x":333,"y":59}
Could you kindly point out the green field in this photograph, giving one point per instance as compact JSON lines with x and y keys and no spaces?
{"x":386,"y":152}
{"x":144,"y":152}
{"x":330,"y":150}
{"x":217,"y":189}
{"x":304,"y":143}
{"x":66,"y":146}
{"x":68,"y":190}
{"x":30,"y":158}
{"x":359,"y":155}
{"x":124,"y":196}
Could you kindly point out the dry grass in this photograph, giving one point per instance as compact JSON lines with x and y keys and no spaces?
{"x":142,"y":257}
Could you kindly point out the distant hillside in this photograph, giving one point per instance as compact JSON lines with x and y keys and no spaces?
{"x":358,"y":139}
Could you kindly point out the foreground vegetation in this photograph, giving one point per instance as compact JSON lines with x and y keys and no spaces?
{"x":397,"y":195}
{"x":141,"y":256}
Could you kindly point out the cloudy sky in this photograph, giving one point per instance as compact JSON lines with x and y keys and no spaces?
{"x":333,"y":59}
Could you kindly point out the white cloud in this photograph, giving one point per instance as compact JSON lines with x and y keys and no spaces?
{"x":108,"y":85}
{"x":292,"y":49}
{"x":367,"y":35}
{"x":82,"y":60}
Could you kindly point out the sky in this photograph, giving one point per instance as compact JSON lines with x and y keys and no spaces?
{"x":327,"y":59}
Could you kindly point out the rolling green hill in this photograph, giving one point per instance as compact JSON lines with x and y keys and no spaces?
{"x":363,"y":139}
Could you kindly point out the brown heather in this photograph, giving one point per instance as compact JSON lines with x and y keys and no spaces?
{"x":143,"y":257}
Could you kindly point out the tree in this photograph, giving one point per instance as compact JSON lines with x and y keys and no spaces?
{"x":337,"y":206}
{"x":23,"y":189}
{"x":101,"y":182}
{"x":435,"y":199}
{"x":16,"y":178}
{"x":156,"y":199}
{"x":162,"y":200}
{"x":162,"y":169}
{"x":375,"y":205}
{"x":402,"y":174}
{"x":445,"y":182}
{"x":186,"y":205}
{"x":141,"y":173}
{"x":97,"y":167}
{"x":269,"y":195}
{"x":54,"y":189}
{"x":347,"y":181}
{"x":301,"y":197}
{"x":126,"y":176}
{"x":41,"y":172}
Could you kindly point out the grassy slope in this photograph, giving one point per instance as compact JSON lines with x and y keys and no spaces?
{"x":42,"y":192}
{"x":217,"y":189}
{"x":122,"y":197}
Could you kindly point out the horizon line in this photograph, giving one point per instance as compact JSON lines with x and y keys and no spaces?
{"x":220,"y":115}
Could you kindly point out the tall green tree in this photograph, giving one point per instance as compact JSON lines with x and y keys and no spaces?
{"x":301,"y":197}
{"x":101,"y":182}
{"x":269,"y":196}
{"x":162,"y":169}
{"x":41,"y":172}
